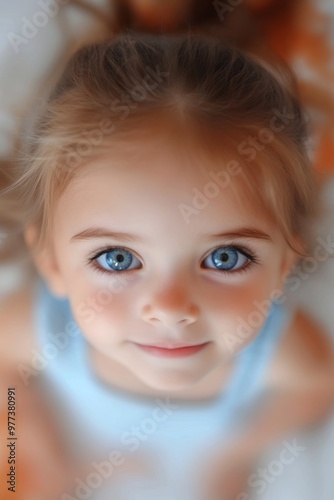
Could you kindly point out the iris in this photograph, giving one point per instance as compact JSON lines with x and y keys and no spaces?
{"x":225,"y":258}
{"x":118,"y":259}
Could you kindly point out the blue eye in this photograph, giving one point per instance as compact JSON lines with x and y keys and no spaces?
{"x":117,"y":259}
{"x":227,"y":259}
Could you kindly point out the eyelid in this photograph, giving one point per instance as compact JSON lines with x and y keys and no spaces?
{"x":110,"y":248}
{"x":235,"y":246}
{"x":238,"y":247}
{"x":247,"y":252}
{"x":91,"y":260}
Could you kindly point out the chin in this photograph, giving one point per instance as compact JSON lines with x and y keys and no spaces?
{"x":169,"y":382}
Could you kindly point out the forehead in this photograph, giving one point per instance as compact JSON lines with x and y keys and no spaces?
{"x":166,"y":177}
{"x":159,"y":150}
{"x":160,"y":160}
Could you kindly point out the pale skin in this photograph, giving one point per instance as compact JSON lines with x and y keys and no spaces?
{"x":173,"y":292}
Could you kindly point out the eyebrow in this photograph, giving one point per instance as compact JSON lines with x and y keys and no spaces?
{"x":243,"y":232}
{"x":99,"y":232}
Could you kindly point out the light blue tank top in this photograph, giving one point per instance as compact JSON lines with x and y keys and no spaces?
{"x":97,"y":420}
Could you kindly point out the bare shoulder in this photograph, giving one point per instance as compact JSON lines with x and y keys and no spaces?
{"x":305,"y":356}
{"x":17,"y":336}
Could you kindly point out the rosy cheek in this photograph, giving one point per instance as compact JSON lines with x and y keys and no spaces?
{"x":117,"y":313}
{"x":233,"y":307}
{"x":110,"y":306}
{"x":230,"y":298}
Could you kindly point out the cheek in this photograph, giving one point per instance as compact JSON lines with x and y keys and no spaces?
{"x":100,"y":313}
{"x":239,"y":310}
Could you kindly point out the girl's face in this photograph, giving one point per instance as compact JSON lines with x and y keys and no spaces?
{"x":150,"y":253}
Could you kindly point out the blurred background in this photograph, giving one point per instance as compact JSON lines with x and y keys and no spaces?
{"x":37,"y":37}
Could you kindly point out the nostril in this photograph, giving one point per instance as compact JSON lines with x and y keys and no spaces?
{"x":171,"y":317}
{"x":154,"y":320}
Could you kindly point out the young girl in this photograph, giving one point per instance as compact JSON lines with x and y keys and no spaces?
{"x":163,"y":199}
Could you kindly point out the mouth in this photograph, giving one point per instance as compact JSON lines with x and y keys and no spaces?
{"x":173,"y":350}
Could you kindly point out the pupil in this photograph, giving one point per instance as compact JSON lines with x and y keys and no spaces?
{"x":119,"y":258}
{"x":224,"y":257}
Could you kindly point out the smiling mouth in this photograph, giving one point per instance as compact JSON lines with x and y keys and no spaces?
{"x":173,"y":352}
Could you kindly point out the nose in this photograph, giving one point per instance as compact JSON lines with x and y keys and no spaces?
{"x":170,"y":308}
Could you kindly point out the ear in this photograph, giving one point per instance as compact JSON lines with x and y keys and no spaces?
{"x":289,"y":260}
{"x":45,"y":262}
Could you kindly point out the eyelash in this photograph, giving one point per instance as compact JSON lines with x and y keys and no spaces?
{"x":92,"y":258}
{"x":253,"y":259}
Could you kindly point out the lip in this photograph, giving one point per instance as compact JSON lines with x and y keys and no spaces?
{"x":175,"y":351}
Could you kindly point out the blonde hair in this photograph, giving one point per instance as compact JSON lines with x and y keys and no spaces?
{"x":115,"y":87}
